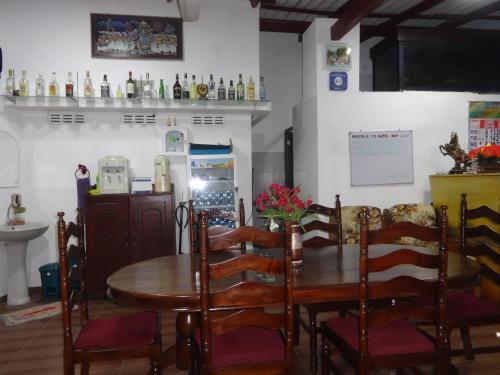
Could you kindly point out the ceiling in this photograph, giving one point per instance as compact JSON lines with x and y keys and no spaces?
{"x":378,"y":18}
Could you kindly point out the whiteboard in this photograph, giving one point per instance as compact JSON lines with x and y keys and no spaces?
{"x":381,"y":157}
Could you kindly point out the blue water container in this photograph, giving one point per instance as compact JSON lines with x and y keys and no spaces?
{"x":49,"y":273}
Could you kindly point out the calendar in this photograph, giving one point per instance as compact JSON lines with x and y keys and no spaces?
{"x":484,"y":123}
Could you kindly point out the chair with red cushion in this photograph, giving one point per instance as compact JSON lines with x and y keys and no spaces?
{"x":239,"y":334}
{"x":324,"y":234}
{"x":464,"y":308}
{"x":102,"y":339}
{"x":384,"y":337}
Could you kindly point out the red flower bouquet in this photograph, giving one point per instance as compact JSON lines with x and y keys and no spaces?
{"x":489,"y":152}
{"x":282,"y":202}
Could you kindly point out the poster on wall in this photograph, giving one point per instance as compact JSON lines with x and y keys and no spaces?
{"x":337,"y":56}
{"x":381,"y":157}
{"x":136,"y":37}
{"x":484,"y":121}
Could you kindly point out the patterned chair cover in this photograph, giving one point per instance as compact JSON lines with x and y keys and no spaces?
{"x":351,"y":222}
{"x":417,"y":213}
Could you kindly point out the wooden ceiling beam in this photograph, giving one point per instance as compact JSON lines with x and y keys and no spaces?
{"x":319,"y":12}
{"x":352,"y":14}
{"x":479,"y":13}
{"x":283,"y":26}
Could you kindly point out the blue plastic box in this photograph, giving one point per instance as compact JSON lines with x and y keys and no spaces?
{"x":49,"y":273}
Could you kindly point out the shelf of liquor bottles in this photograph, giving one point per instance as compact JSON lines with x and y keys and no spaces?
{"x":257,"y":109}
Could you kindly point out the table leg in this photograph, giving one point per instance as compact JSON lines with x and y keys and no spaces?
{"x":185,"y":324}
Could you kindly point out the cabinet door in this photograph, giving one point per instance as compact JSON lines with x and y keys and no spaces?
{"x":152,"y":226}
{"x":107,"y":223}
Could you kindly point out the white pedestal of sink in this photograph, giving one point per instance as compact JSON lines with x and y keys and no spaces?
{"x":16,"y":240}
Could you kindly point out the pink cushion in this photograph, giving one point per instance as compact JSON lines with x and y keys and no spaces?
{"x":246,"y":345}
{"x":393,"y":338}
{"x":118,"y":332}
{"x":463,"y":305}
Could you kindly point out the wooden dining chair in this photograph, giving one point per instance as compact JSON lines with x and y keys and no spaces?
{"x":238,"y":334}
{"x":323,"y":234}
{"x":101,"y":339}
{"x":385,"y":338}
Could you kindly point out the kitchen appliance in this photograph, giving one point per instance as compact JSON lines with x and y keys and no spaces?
{"x":141,"y":185}
{"x":162,"y":174}
{"x":213,"y":186}
{"x":114,"y":175}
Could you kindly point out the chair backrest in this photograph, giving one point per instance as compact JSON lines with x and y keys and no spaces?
{"x":326,"y":233}
{"x":404,"y":284}
{"x":416,"y":213}
{"x":245,"y":296}
{"x":215,"y":229}
{"x":486,"y":236}
{"x":351,"y":225}
{"x":72,"y":272}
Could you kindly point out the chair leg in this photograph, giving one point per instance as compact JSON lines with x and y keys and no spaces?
{"x":296,"y":324}
{"x":155,"y":367}
{"x":313,"y":342}
{"x":69,"y":368}
{"x":324,"y":353}
{"x":84,"y":368}
{"x":466,"y":342}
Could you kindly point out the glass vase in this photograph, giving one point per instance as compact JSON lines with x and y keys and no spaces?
{"x":297,"y":248}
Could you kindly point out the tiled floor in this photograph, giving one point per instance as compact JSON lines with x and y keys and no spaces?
{"x":36,"y":348}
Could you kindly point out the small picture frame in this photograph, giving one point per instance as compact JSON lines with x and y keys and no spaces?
{"x":337,"y":56}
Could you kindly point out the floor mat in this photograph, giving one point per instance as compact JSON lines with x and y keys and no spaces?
{"x":33,"y":313}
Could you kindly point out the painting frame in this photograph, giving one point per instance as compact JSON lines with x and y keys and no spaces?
{"x":120,"y":36}
{"x":331,"y":61}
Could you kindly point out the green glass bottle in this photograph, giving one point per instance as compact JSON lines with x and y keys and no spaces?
{"x":161,"y":93}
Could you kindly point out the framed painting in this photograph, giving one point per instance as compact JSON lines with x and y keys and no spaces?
{"x":136,"y":37}
{"x":337,"y":56}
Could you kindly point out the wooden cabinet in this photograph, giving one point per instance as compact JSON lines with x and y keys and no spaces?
{"x":123,"y":229}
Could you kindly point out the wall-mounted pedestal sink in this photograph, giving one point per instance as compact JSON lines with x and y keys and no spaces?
{"x":16,"y":239}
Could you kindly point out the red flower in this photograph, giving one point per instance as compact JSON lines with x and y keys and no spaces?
{"x":485,"y":152}
{"x":282,"y":202}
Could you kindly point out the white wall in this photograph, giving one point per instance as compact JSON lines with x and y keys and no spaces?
{"x":224,"y":41}
{"x":432,"y":116}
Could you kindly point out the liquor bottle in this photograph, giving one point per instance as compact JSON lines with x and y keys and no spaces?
{"x":161,"y":91}
{"x":262,"y":89}
{"x":130,"y":86}
{"x":88,"y":90}
{"x":105,"y":87}
{"x":10,"y":83}
{"x":193,"y":94}
{"x":146,"y":88}
{"x":250,"y":89}
{"x":230,"y":91}
{"x":185,"y":87}
{"x":240,"y":89}
{"x":177,"y":90}
{"x":221,"y":91}
{"x":53,"y":86}
{"x":119,"y":92}
{"x":24,"y":86}
{"x":69,"y":85}
{"x":40,"y":85}
{"x":211,"y":88}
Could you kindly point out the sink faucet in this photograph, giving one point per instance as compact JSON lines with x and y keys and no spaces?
{"x":15,"y":202}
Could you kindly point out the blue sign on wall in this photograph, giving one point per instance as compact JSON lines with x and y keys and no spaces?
{"x":338,"y":81}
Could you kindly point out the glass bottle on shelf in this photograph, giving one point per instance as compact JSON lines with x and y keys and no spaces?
{"x":130,"y":86}
{"x":24,"y":86}
{"x":53,"y":86}
{"x":69,"y":85}
{"x":88,"y":90}
{"x":185,"y":87}
{"x":119,"y":92}
{"x":211,"y":88}
{"x":231,"y":94}
{"x":262,"y":89}
{"x":105,"y":87}
{"x":193,"y":93}
{"x":240,"y":89}
{"x":177,"y":90}
{"x":161,"y":90}
{"x":40,"y":86}
{"x":10,"y":83}
{"x":221,"y":91}
{"x":146,"y":88}
{"x":250,"y":89}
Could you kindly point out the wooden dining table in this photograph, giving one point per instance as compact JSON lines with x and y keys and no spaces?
{"x":170,"y":283}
